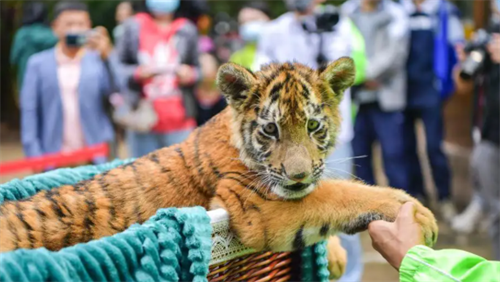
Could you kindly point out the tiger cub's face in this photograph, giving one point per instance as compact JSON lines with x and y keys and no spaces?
{"x":286,"y":120}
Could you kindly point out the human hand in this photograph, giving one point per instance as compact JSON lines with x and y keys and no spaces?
{"x":461,"y":55}
{"x":144,"y":73}
{"x":185,"y":74}
{"x":394,"y":239}
{"x":494,"y":48}
{"x":100,"y":41}
{"x":371,"y":85}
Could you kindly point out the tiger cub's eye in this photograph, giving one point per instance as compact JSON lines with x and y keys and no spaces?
{"x":312,"y":125}
{"x":271,"y":129}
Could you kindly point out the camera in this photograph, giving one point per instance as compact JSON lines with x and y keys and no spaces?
{"x":477,"y":55}
{"x":327,"y":18}
{"x":76,"y":39}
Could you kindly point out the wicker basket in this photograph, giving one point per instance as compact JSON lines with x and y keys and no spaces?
{"x":231,"y":261}
{"x":256,"y":267}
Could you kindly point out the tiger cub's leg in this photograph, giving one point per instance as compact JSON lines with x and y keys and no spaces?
{"x":334,"y":206}
{"x":337,"y":257}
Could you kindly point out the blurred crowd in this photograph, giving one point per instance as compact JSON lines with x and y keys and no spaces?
{"x":151,"y":80}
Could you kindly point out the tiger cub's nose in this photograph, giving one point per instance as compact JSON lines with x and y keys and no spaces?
{"x":299,"y":177}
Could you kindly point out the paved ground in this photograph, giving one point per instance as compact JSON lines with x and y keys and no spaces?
{"x":376,"y":269}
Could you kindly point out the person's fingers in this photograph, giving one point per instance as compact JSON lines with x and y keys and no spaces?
{"x":101,"y":30}
{"x":92,"y":39}
{"x":375,"y":225}
{"x":406,"y":213}
{"x":378,"y":228}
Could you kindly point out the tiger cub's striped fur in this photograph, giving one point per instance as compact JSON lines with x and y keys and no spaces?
{"x":262,"y":159}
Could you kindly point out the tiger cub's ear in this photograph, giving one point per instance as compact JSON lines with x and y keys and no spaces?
{"x":235,"y":81}
{"x":339,"y":75}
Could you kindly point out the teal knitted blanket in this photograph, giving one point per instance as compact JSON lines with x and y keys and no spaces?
{"x":173,"y":245}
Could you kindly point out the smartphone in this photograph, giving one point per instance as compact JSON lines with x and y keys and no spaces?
{"x":76,"y":39}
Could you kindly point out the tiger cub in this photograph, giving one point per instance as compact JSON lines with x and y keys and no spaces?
{"x":262,"y":159}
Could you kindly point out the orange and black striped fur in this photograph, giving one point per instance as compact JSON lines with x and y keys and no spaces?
{"x":262,"y":159}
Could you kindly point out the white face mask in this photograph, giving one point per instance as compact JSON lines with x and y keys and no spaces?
{"x":250,"y":31}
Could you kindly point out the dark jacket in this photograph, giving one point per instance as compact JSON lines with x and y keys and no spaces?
{"x":128,"y":49}
{"x":490,"y":120}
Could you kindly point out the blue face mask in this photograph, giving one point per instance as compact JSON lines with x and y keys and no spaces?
{"x":250,"y":32}
{"x":162,"y":6}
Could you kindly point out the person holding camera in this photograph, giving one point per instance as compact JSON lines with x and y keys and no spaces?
{"x":63,"y":91}
{"x":479,"y":72}
{"x":381,"y":97}
{"x":313,"y":35}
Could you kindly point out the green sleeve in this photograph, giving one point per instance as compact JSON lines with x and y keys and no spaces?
{"x":236,"y":58}
{"x":245,"y":57}
{"x":424,"y":264}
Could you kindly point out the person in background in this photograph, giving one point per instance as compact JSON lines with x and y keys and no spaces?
{"x":381,"y":98}
{"x":124,"y":10}
{"x":210,"y":100}
{"x":159,"y":55}
{"x":290,"y":37}
{"x":485,"y":159}
{"x":252,"y":19}
{"x":428,"y":87}
{"x":205,"y":42}
{"x":495,"y":11}
{"x":34,"y":36}
{"x":64,"y":87}
{"x":401,"y":244}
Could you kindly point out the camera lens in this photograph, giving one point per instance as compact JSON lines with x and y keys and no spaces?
{"x":472,"y":64}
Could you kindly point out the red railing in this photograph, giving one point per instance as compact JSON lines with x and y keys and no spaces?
{"x":55,"y":160}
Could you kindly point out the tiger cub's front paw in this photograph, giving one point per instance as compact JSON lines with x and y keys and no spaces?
{"x":423,"y":216}
{"x":337,"y":257}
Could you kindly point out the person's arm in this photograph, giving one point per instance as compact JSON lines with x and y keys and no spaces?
{"x":425,"y":264}
{"x":455,"y":30}
{"x":401,"y":244}
{"x":127,"y":58}
{"x":101,"y":43}
{"x":29,"y":110}
{"x":394,"y":56}
{"x":189,"y":73}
